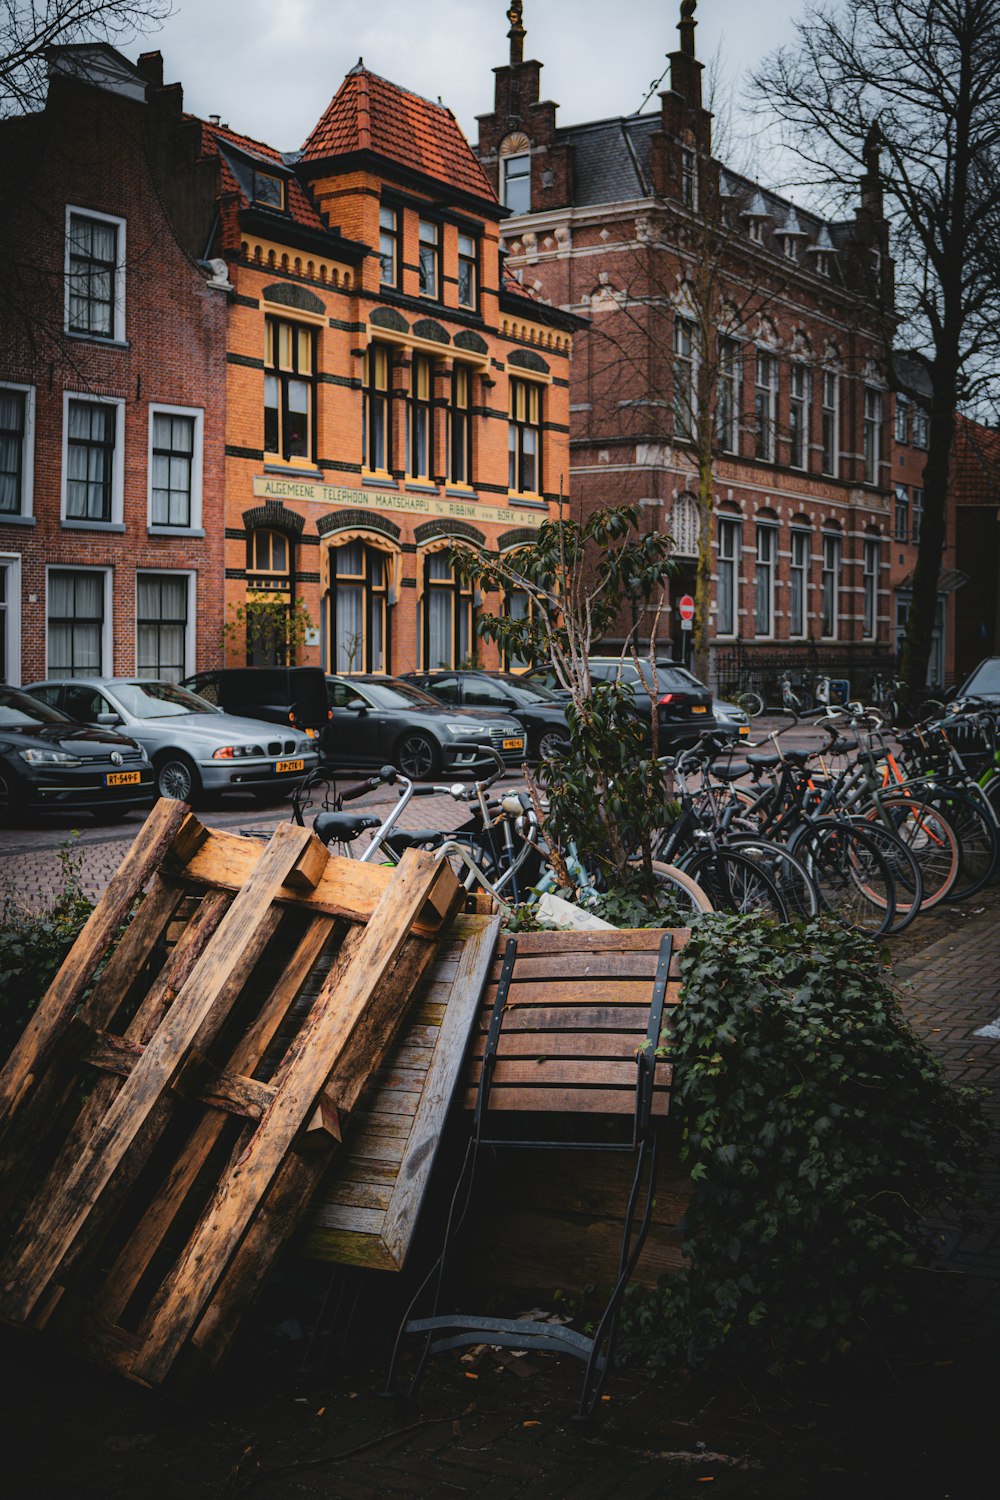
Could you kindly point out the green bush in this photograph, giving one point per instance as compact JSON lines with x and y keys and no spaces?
{"x":820,"y":1135}
{"x":34,"y":944}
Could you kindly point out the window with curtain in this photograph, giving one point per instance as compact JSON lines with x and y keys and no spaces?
{"x":90,"y":460}
{"x":161,"y":625}
{"x":798,"y":583}
{"x":872,"y":553}
{"x":447,"y":614}
{"x":765,"y":403}
{"x":764,"y":580}
{"x":173,"y":469}
{"x":388,"y":245}
{"x":460,"y":426}
{"x":358,"y":608}
{"x":93,"y":273}
{"x":13,"y":425}
{"x":831,"y":422}
{"x":873,"y":433}
{"x":727,"y":564}
{"x":75,"y":623}
{"x":902,"y":428}
{"x":420,"y":431}
{"x":727,"y":411}
{"x":289,"y":388}
{"x":685,"y":397}
{"x":524,"y":437}
{"x":902,"y":531}
{"x":467,"y":262}
{"x":799,"y":416}
{"x":376,"y":445}
{"x":830,"y":586}
{"x":429,"y":283}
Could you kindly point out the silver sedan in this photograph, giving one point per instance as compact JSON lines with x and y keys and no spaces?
{"x":194,"y":747}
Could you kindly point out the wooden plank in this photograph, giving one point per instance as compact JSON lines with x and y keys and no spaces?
{"x":237,"y":946}
{"x":573,"y":965}
{"x":335,"y":1041}
{"x":29,"y":1058}
{"x":139,"y":1249}
{"x":198,"y":1079}
{"x":617,"y":940}
{"x":542,"y":1073}
{"x":360,"y":1194}
{"x":577,"y":1101}
{"x":363,"y":1250}
{"x":357,"y":1220}
{"x":537,"y":1020}
{"x":579,"y":992}
{"x":619,"y":1045}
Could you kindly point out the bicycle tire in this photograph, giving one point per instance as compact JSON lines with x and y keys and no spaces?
{"x":854,"y":882}
{"x":795,"y":884}
{"x":906,"y":876}
{"x":979,"y":841}
{"x":751,"y":703}
{"x":735,"y":883}
{"x":929,"y":837}
{"x":686,"y":890}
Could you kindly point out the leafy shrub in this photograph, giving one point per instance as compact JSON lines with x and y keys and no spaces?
{"x":34,"y":944}
{"x":819,"y":1133}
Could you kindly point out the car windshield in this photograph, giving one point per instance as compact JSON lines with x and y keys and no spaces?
{"x":669,"y":679}
{"x":159,"y":700}
{"x":396,"y":694}
{"x":528,"y":692}
{"x":18,"y":710}
{"x":985,"y":679}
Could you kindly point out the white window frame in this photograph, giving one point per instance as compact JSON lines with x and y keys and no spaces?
{"x":730,"y":383}
{"x":730,"y":528}
{"x":766,"y":430}
{"x":874,"y":418}
{"x":686,"y":364}
{"x":117,"y":522}
{"x":835,"y":541}
{"x":901,"y":419}
{"x":831,"y":405}
{"x":800,"y":401}
{"x":190,"y":632}
{"x":521,"y":159}
{"x":921,"y":427}
{"x":10,"y":670}
{"x":194,"y":526}
{"x":870,"y":560}
{"x":118,"y":334}
{"x":769,"y":562}
{"x":799,"y":565}
{"x":107,"y":629}
{"x":26,"y":511}
{"x":689,"y":178}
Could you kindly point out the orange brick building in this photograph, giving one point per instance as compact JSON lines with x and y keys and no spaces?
{"x":389,"y":391}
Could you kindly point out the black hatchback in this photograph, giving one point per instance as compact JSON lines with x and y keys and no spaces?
{"x":683,"y":703}
{"x":536,"y":707}
{"x":50,"y":763}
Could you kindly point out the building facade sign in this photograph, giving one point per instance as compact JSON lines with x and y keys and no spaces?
{"x":339,"y":495}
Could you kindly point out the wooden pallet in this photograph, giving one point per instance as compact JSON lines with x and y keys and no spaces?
{"x":146,"y":1215}
{"x":366,"y":1211}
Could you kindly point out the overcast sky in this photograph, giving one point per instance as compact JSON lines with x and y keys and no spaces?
{"x":270,"y":67}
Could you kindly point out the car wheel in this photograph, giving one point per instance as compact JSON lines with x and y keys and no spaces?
{"x":551,"y":744}
{"x":177,"y":778}
{"x":417,"y":756}
{"x":8,"y":799}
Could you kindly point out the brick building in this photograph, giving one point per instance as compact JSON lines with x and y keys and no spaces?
{"x":389,"y":391}
{"x":712,"y":300}
{"x":111,"y":391}
{"x":975,"y":487}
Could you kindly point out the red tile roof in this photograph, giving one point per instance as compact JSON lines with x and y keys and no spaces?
{"x":370,"y":114}
{"x":300,"y":206}
{"x":975,"y":464}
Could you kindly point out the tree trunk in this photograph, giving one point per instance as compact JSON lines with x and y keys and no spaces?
{"x":703,"y":576}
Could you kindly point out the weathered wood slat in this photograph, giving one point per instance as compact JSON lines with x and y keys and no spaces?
{"x":617,"y":940}
{"x":611,"y":1045}
{"x":575,"y":965}
{"x":541,"y":1020}
{"x":553,"y":990}
{"x":199,"y":1079}
{"x":595,"y":1101}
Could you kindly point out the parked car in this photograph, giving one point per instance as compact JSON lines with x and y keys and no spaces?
{"x":983,"y":683}
{"x":278,"y":695}
{"x":539,"y":711}
{"x":50,"y":762}
{"x":730,"y":719}
{"x":194,"y":747}
{"x":376,"y":721}
{"x":684,"y":705}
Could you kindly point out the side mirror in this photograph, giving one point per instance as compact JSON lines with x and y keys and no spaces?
{"x":357,"y":705}
{"x":108,"y":721}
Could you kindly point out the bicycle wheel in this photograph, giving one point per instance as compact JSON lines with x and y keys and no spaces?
{"x":979,"y":842}
{"x":751,"y":703}
{"x":930,"y":838}
{"x":906,"y":876}
{"x":735,"y":882}
{"x":855,"y":884}
{"x":796,"y":886}
{"x":686,"y":891}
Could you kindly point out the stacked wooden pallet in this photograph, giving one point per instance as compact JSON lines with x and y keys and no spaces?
{"x":168,"y":1113}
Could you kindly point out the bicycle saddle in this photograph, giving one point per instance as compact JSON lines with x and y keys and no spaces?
{"x":731,"y":772}
{"x":343,"y":828}
{"x":413,"y":838}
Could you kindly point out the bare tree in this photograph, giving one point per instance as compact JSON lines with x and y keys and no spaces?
{"x":29,"y":27}
{"x":909,"y":90}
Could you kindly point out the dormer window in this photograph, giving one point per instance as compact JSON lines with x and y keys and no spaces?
{"x":791,"y":247}
{"x":755,"y":229}
{"x":268,"y":190}
{"x":822,"y":263}
{"x":515,"y":183}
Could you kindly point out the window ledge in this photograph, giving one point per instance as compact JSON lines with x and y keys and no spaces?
{"x":10,"y":519}
{"x":378,"y":481}
{"x":96,"y":338}
{"x":527,"y":501}
{"x":461,"y":494}
{"x":175,"y":531}
{"x":305,"y":470}
{"x":70,"y":525}
{"x":422,"y":487}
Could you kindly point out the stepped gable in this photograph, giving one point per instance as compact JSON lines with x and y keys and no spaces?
{"x":368,"y":113}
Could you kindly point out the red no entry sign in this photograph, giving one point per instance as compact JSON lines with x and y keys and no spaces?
{"x":685,"y":607}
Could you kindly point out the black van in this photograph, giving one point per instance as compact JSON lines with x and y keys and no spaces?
{"x":278,"y":695}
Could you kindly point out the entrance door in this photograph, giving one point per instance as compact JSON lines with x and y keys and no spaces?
{"x":681,"y":583}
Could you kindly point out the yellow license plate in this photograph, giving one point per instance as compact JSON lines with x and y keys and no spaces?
{"x":744,"y":731}
{"x":513,"y":744}
{"x":123,"y":778}
{"x":290,"y":765}
{"x":698,"y":708}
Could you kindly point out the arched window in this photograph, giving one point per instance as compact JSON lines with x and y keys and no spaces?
{"x":447,"y":614}
{"x":270,"y":560}
{"x":685,"y":527}
{"x":515,"y":173}
{"x":359,"y":595}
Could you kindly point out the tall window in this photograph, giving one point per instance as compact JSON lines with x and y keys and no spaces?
{"x":831,"y":423}
{"x":430,"y":271}
{"x":766,"y":403}
{"x":764,"y":580}
{"x":467,"y":279}
{"x":684,"y":378}
{"x":728,"y":572}
{"x":172,"y":469}
{"x":94,"y":275}
{"x":689,"y":177}
{"x":376,"y":446}
{"x":727,"y":414}
{"x":902,"y":427}
{"x":91,"y":432}
{"x":799,"y":416}
{"x":902,"y":530}
{"x":869,"y":578}
{"x":161,"y":625}
{"x":918,"y":513}
{"x":921,"y":427}
{"x":75,"y":614}
{"x":269,"y":570}
{"x":418,"y":416}
{"x":515,"y":183}
{"x":289,"y":386}
{"x":268,"y":561}
{"x":460,"y":427}
{"x":831,"y":586}
{"x":798,"y":584}
{"x":358,"y":614}
{"x":447,"y":614}
{"x":388,"y":245}
{"x":524,"y":437}
{"x":16,"y":404}
{"x":873,"y":433}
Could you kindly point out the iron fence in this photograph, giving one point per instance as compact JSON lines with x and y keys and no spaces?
{"x":740,"y":666}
